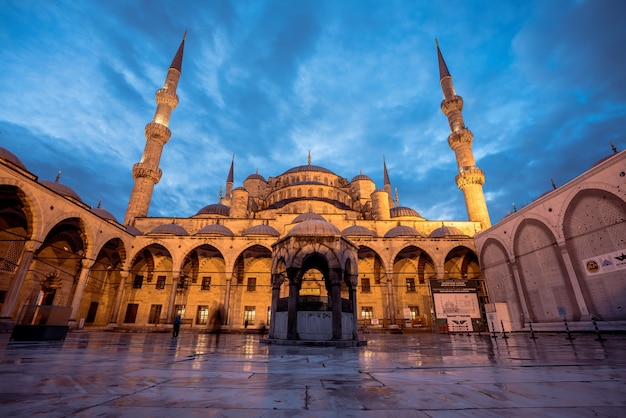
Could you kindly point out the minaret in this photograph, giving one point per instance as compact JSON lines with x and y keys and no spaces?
{"x":470,"y":178}
{"x":230,"y":180}
{"x":387,"y":183}
{"x":147,"y":172}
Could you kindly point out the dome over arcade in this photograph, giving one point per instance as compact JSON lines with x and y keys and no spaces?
{"x":255,"y":176}
{"x":61,"y":189}
{"x":361,"y":177}
{"x":7,"y":155}
{"x":214,"y":209}
{"x":103,"y":213}
{"x":402,"y":231}
{"x":262,"y":230}
{"x":171,"y":229}
{"x":447,"y":232}
{"x":215,"y":229}
{"x":132,"y":230}
{"x":314,"y":227}
{"x":358,"y":231}
{"x":307,"y":216}
{"x":400,"y":211}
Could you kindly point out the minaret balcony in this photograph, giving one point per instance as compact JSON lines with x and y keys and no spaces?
{"x":470,"y":176}
{"x":452,"y":104}
{"x":141,"y":171}
{"x":157,"y":131}
{"x":459,"y":138}
{"x":166,"y":97}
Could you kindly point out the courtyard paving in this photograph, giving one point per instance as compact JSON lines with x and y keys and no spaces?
{"x":107,"y":374}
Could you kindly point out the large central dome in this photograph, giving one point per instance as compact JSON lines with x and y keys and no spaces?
{"x":308,"y":167}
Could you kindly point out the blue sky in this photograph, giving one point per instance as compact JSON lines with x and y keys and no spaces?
{"x":543,"y":82}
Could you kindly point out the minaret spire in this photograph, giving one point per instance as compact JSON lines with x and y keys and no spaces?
{"x":470,"y":178}
{"x":147,"y":172}
{"x":230,"y":180}
{"x":387,"y":183}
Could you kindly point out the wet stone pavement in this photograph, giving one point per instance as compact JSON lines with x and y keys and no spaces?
{"x":105,"y":374}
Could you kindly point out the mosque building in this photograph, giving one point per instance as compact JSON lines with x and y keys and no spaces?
{"x":307,"y":239}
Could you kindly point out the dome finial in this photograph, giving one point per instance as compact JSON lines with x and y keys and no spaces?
{"x":99,"y":203}
{"x":56,"y":180}
{"x":309,"y":158}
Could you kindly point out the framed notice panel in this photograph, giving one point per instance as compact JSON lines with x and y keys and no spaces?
{"x":455,"y":298}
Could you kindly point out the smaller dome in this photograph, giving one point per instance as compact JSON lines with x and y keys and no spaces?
{"x":255,"y":176}
{"x":358,"y":231}
{"x":446,"y":232}
{"x":314,"y":227}
{"x":5,"y":154}
{"x":171,"y":229}
{"x":133,"y":230}
{"x":262,"y":230}
{"x":307,"y":216}
{"x":400,"y":211}
{"x":214,"y":209}
{"x":402,"y":231}
{"x":361,"y":177}
{"x":215,"y":229}
{"x":61,"y":189}
{"x":103,"y":213}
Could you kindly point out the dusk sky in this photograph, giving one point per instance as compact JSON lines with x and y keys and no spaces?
{"x":544,"y":86}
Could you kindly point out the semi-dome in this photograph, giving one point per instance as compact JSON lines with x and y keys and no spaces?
{"x":307,"y":216}
{"x":400,"y":211}
{"x":103,"y":213}
{"x":61,"y":189}
{"x":402,"y":231}
{"x":262,"y":230}
{"x":5,"y":154}
{"x":361,"y":177}
{"x":309,"y":167}
{"x":214,"y":209}
{"x":447,"y":232}
{"x":255,"y":176}
{"x":358,"y":231}
{"x":171,"y":229}
{"x":215,"y":229}
{"x":314,"y":227}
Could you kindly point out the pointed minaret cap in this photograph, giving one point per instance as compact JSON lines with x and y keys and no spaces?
{"x":231,"y":172}
{"x":177,"y":62}
{"x":385,"y":173}
{"x":443,"y":68}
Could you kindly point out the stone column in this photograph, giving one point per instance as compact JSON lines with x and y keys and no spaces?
{"x":169,"y":319}
{"x":335,"y":283}
{"x":118,"y":298}
{"x":355,"y":324}
{"x":292,"y":310}
{"x":18,"y":281}
{"x":229,"y":282}
{"x":86,"y":265}
{"x":392,"y":306}
{"x":277,"y":280}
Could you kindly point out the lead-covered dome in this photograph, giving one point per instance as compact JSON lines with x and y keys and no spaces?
{"x":255,"y":176}
{"x":447,"y":232}
{"x":170,"y":229}
{"x":261,"y":230}
{"x":314,"y":227}
{"x":357,"y":231}
{"x":215,"y":229}
{"x":103,"y":213}
{"x":400,"y":211}
{"x":361,"y":177}
{"x":303,"y":168}
{"x":61,"y":189}
{"x":214,"y":209}
{"x":402,"y":231}
{"x":5,"y":154}
{"x":307,"y":216}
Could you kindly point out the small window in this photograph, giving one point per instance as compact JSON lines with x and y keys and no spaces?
{"x":410,"y":284}
{"x":202,"y":316}
{"x":138,"y":282}
{"x":415,"y":312}
{"x":365,"y":285}
{"x":206,"y":283}
{"x":249,"y":315}
{"x":251,"y":284}
{"x":131,"y":313}
{"x":179,"y":311}
{"x":367,"y":312}
{"x":160,"y":283}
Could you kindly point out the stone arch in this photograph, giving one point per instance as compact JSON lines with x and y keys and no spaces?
{"x":543,"y":276}
{"x":594,"y":226}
